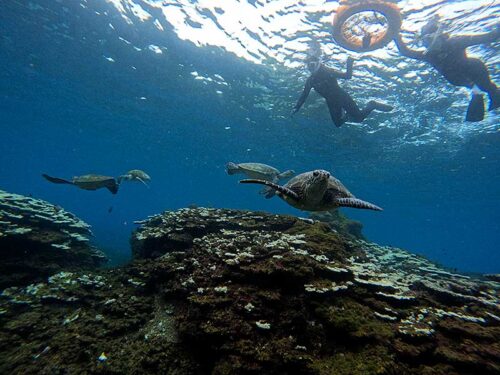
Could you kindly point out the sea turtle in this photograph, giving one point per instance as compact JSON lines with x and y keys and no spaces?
{"x":315,"y":191}
{"x":135,"y":175}
{"x":88,"y":182}
{"x":259,"y":171}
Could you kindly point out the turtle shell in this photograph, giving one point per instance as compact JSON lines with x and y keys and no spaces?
{"x":93,"y":181}
{"x":334,"y":190}
{"x":259,"y":170}
{"x":91,"y":178}
{"x":335,"y":187}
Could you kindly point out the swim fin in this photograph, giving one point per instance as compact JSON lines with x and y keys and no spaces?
{"x":494,"y":100}
{"x":382,"y":107}
{"x":475,"y":111}
{"x":56,"y":180}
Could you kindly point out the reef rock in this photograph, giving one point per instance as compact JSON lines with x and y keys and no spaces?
{"x":233,"y":292}
{"x":38,"y":239}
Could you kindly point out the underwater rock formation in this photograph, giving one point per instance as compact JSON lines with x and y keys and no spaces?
{"x":235,"y":292}
{"x":38,"y":239}
{"x":340,"y":223}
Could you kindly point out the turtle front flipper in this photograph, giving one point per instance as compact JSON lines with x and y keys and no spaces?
{"x":357,"y":203}
{"x":113,"y":187}
{"x":144,"y":182}
{"x":56,"y":180}
{"x":283,"y":190}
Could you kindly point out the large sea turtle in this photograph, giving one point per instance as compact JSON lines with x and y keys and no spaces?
{"x":315,"y":191}
{"x":259,"y":171}
{"x":88,"y":182}
{"x":135,"y":175}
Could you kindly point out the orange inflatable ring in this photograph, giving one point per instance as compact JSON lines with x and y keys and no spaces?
{"x":344,"y":12}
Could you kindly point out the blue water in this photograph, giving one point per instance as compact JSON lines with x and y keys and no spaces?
{"x":67,"y":110}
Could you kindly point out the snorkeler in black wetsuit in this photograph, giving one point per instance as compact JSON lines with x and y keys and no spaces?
{"x":342,"y":107}
{"x":449,"y":57}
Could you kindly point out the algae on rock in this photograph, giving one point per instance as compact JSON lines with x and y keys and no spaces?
{"x":238,"y":292}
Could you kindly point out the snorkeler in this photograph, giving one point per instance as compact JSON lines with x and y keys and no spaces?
{"x":341,"y":105}
{"x":449,"y":57}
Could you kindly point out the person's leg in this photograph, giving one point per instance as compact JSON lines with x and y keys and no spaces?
{"x":478,"y":73}
{"x":356,"y":115}
{"x":335,"y":112}
{"x":352,"y":109}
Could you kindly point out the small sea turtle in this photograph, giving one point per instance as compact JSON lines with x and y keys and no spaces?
{"x":259,"y":171}
{"x":315,"y":191}
{"x":135,"y":175}
{"x":88,"y":182}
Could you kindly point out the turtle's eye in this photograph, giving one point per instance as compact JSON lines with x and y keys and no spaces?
{"x":315,"y":173}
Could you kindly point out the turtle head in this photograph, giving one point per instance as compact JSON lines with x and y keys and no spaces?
{"x":138,"y":174}
{"x":317,"y":184}
{"x":320,"y":176}
{"x":232,"y":168}
{"x":134,"y":175}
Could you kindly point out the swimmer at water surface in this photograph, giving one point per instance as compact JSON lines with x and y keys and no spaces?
{"x":448,"y":55}
{"x":341,"y":105}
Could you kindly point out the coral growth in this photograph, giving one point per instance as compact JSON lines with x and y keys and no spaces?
{"x":233,"y":292}
{"x":38,"y":239}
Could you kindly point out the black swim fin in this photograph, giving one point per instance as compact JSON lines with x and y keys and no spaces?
{"x":475,"y":111}
{"x":56,"y":180}
{"x":494,"y":100}
{"x":382,"y":107}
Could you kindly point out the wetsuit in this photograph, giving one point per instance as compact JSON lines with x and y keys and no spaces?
{"x":452,"y":62}
{"x":324,"y":82}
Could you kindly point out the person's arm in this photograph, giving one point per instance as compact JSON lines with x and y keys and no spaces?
{"x":303,"y":97}
{"x":405,"y":51}
{"x":348,"y":72}
{"x":464,"y":41}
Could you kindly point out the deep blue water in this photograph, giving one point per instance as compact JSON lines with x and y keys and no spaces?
{"x":66,"y":110}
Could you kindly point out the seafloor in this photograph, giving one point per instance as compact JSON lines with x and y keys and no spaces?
{"x":214,"y":291}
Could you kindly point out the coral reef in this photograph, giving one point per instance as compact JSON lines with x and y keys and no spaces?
{"x":234,"y":292}
{"x":38,"y":239}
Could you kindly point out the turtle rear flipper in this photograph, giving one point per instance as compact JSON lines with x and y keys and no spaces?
{"x":268,"y":192}
{"x":283,"y":190}
{"x":357,"y":203}
{"x":56,"y":180}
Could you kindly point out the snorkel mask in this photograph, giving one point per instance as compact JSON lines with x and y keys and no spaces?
{"x":313,"y":56}
{"x":432,"y":35}
{"x":313,"y":65}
